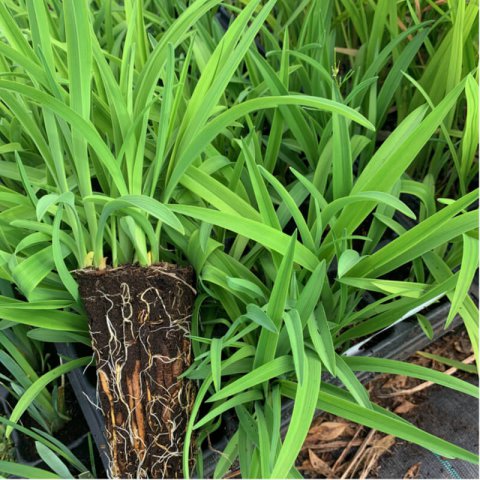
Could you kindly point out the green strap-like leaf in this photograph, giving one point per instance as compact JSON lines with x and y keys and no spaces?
{"x":52,"y":460}
{"x":244,"y":397}
{"x":275,"y":368}
{"x":450,"y":362}
{"x":306,"y":398}
{"x":467,"y":273}
{"x":268,"y":341}
{"x":256,"y":314}
{"x":267,"y":236}
{"x":24,"y":471}
{"x":387,"y":423}
{"x":384,"y":365}
{"x":31,"y":393}
{"x":427,"y":235}
{"x":294,"y":328}
{"x":219,"y":123}
{"x":321,"y":337}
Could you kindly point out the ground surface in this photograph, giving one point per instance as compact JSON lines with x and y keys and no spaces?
{"x":449,"y":415}
{"x":336,"y":448}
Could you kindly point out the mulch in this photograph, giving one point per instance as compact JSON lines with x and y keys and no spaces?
{"x":337,"y":448}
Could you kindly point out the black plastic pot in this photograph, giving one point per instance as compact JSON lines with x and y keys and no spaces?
{"x":225,"y":18}
{"x":78,"y":445}
{"x":83,"y":382}
{"x":5,"y":410}
{"x":22,"y":445}
{"x":396,"y":342}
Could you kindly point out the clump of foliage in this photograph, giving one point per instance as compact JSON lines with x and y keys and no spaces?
{"x":280,"y":158}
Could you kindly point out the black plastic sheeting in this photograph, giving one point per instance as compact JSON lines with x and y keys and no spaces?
{"x":397,"y":342}
{"x":450,"y":415}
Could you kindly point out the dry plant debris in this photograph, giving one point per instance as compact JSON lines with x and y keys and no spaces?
{"x":336,"y":448}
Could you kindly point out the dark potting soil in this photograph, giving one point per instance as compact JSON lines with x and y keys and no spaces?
{"x":139,"y":319}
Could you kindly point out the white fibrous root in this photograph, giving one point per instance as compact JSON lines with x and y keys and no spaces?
{"x":139,"y":322}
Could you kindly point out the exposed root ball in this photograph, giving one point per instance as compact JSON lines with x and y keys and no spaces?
{"x":139,"y":319}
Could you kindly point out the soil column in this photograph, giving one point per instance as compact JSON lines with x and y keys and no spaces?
{"x":139,"y":319}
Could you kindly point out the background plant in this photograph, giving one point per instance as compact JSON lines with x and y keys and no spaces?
{"x":143,"y":131}
{"x":57,"y":457}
